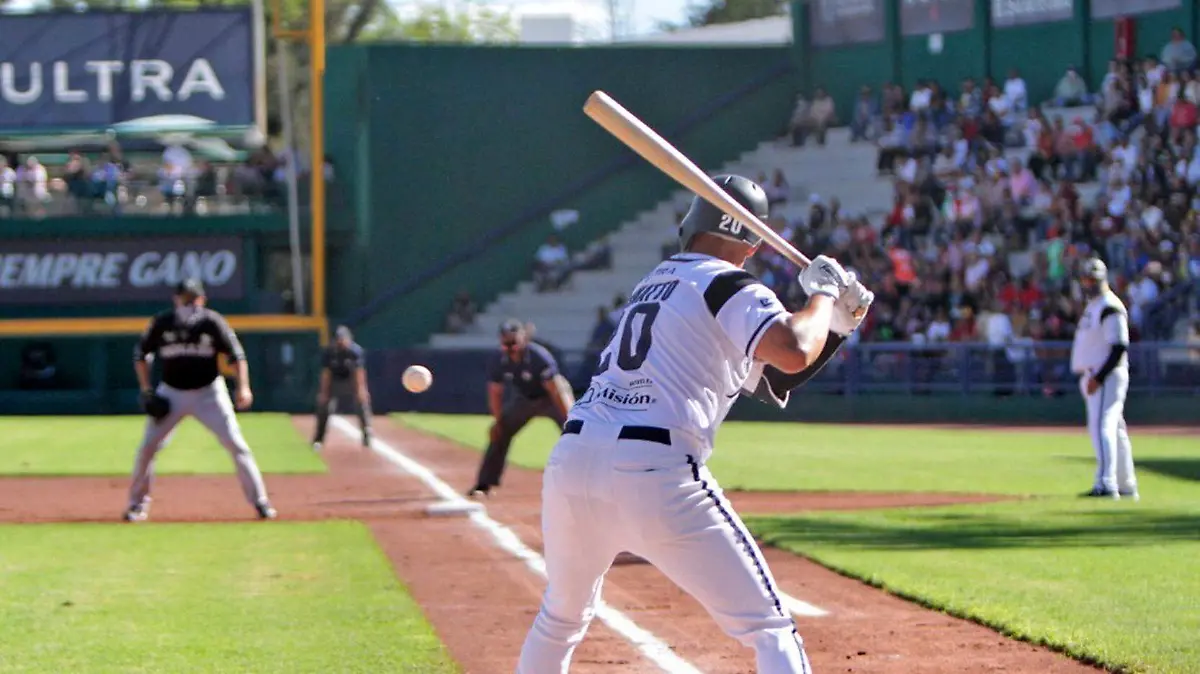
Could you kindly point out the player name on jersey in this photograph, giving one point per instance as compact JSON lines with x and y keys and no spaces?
{"x":654,"y":292}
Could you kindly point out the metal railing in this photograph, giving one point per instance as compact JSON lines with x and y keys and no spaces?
{"x":1040,"y":369}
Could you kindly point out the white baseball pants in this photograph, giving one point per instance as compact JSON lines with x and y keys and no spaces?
{"x":1110,"y":438}
{"x":601,"y":496}
{"x":212,"y":407}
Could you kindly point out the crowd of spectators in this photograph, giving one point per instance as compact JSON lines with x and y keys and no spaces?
{"x":997,"y":201}
{"x":113,"y":182}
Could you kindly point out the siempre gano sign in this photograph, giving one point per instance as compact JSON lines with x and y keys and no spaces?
{"x":104,"y":271}
{"x":96,"y":70}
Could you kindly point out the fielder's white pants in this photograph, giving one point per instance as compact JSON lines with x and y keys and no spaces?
{"x":1110,"y":438}
{"x":602,"y":496}
{"x":212,"y":407}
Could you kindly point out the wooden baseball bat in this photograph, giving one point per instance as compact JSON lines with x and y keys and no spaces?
{"x":662,"y":155}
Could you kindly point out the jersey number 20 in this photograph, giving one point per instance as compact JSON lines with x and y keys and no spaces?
{"x":630,"y":354}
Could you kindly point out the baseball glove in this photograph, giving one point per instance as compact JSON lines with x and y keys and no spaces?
{"x":155,"y":405}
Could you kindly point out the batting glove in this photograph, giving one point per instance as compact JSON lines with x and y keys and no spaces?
{"x":824,"y":277}
{"x":851,"y":307}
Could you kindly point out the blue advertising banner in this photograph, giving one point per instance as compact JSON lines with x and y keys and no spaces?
{"x":98,"y":70}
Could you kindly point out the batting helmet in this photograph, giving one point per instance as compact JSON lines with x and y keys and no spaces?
{"x":703,"y":217}
{"x":1094,"y":269}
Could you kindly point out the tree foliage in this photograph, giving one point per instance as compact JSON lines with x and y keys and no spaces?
{"x":732,"y":11}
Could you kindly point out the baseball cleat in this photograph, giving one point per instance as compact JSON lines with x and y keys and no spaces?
{"x":479,"y":491}
{"x":136,"y":514}
{"x":1101,"y":493}
{"x":317,"y":446}
{"x":1132,"y":495}
{"x":367,"y":440}
{"x":265,"y":511}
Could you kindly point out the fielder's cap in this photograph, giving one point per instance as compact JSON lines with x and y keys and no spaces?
{"x":511,"y":327}
{"x":1095,"y":269}
{"x":342,"y":332}
{"x":191,"y":286}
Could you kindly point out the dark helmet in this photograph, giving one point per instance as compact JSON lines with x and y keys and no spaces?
{"x":703,"y":217}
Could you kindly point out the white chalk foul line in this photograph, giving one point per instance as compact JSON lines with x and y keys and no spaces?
{"x":650,"y":646}
{"x":801,"y":608}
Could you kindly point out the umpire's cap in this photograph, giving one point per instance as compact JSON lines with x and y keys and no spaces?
{"x":511,"y":327}
{"x":191,"y":287}
{"x":703,"y":217}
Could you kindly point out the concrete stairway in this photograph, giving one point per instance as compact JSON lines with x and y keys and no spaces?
{"x":566,"y":318}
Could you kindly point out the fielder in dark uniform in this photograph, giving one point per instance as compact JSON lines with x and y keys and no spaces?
{"x":188,"y":340}
{"x":537,"y":389}
{"x":343,"y":375}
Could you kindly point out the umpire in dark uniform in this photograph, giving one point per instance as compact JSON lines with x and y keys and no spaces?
{"x":530,"y":374}
{"x":343,"y":375}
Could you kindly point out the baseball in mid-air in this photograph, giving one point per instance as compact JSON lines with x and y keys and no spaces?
{"x":417,"y":378}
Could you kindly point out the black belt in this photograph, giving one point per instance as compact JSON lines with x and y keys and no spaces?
{"x":645,"y":433}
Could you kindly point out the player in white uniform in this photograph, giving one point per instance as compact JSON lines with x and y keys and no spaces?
{"x":629,"y":474}
{"x":1099,"y":357}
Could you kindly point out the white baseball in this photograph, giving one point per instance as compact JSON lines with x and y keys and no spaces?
{"x":417,"y":378}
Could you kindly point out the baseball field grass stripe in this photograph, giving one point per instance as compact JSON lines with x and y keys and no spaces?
{"x":105,"y":445}
{"x":829,"y":457}
{"x":1112,"y":583}
{"x":278,"y":598}
{"x":651,"y":647}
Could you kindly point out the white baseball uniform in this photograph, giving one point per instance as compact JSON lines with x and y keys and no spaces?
{"x":1103,"y":325}
{"x":629,"y":474}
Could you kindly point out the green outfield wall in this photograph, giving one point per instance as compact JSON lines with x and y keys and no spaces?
{"x":1039,"y":39}
{"x":442,"y":144}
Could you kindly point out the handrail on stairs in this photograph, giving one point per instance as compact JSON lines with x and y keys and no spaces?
{"x":628,"y":159}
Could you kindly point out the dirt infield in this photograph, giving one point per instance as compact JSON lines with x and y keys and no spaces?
{"x":481,"y":600}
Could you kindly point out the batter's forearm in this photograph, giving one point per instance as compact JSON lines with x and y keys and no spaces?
{"x":782,"y":382}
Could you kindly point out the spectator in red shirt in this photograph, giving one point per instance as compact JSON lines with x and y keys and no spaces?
{"x":1083,"y":144}
{"x":1031,"y":294}
{"x":1183,"y":116}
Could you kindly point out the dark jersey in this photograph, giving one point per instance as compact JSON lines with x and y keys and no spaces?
{"x":344,"y":363}
{"x":188,"y":350}
{"x":528,"y":374}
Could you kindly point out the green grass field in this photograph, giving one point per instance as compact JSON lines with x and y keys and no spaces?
{"x":106,"y":446}
{"x":1114,"y":583}
{"x":279,"y":597}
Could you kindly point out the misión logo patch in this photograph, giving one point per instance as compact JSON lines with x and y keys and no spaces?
{"x":615,"y":397}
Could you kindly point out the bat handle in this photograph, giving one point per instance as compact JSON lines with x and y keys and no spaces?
{"x":796,"y":257}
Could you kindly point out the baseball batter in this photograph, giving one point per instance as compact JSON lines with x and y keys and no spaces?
{"x":1099,"y":357}
{"x":629,"y":472}
{"x":188,"y":340}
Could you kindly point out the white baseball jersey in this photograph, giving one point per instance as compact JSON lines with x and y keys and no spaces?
{"x":1104,"y":323}
{"x":683,"y":349}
